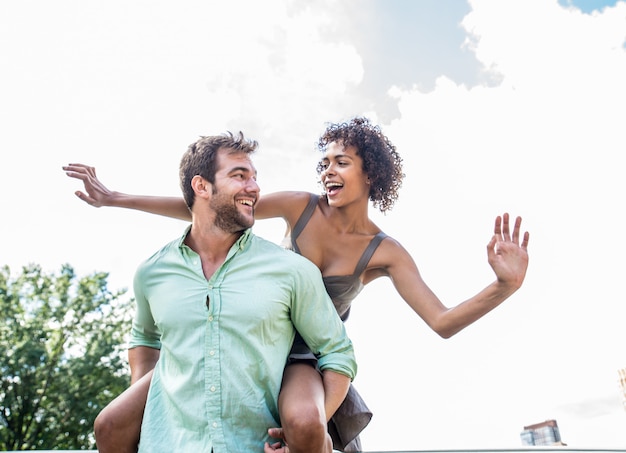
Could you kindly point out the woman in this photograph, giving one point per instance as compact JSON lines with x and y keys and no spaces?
{"x":359,"y":164}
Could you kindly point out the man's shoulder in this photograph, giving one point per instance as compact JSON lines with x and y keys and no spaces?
{"x":164,"y":251}
{"x":266,"y":246}
{"x":274,"y":251}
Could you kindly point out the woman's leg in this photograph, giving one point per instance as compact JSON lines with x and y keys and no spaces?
{"x":301,"y":407}
{"x":118,"y":425}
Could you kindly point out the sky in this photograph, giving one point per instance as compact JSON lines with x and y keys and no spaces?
{"x":494,"y":105}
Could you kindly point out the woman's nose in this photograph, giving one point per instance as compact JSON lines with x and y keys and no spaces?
{"x":330,"y":170}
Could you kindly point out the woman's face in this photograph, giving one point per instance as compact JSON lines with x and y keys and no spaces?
{"x":342,"y":175}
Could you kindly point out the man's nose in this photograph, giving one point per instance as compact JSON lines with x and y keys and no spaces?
{"x":252,"y":186}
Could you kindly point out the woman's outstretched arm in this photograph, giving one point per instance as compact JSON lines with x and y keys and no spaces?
{"x":97,"y":194}
{"x":288,"y":205}
{"x":507,"y":254}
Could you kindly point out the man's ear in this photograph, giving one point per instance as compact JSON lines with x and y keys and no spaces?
{"x":201,"y":187}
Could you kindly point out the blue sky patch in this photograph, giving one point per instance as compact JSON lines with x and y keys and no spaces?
{"x":588,"y":6}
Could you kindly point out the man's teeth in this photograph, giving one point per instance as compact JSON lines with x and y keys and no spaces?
{"x":246,"y":202}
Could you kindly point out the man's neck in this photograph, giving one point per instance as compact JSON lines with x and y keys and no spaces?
{"x":211,"y":244}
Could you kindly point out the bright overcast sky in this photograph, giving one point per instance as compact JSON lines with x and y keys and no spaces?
{"x":495,"y":105}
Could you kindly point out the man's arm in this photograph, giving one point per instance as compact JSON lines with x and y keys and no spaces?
{"x":315,"y":318}
{"x":336,"y":387}
{"x":142,"y":361}
{"x":145,"y":344}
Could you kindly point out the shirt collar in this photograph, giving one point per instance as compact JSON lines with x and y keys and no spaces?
{"x":240,"y":243}
{"x":244,"y":240}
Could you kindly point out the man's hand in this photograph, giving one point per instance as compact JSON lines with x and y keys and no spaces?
{"x":276,"y":433}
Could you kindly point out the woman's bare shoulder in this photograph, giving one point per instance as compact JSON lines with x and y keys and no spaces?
{"x":390,"y":252}
{"x":284,"y":204}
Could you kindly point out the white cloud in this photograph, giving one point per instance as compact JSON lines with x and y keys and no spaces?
{"x":546,"y":144}
{"x":127,"y":86}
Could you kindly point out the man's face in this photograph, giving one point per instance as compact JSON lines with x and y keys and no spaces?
{"x":235,"y":192}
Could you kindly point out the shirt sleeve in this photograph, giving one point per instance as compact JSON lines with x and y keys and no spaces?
{"x":315,"y":318}
{"x":144,"y":331}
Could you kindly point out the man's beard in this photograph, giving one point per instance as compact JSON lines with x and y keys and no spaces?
{"x":227,"y":216}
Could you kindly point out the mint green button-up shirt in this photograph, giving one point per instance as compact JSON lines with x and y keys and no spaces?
{"x":224,"y":342}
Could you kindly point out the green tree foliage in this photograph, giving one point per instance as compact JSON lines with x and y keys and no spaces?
{"x":62,"y":342}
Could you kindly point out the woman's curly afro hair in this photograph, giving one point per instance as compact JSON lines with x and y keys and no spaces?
{"x":381,"y":162}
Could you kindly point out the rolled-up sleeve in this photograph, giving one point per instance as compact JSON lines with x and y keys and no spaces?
{"x":144,"y":331}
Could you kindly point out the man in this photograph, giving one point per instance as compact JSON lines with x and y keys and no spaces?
{"x":216,"y":315}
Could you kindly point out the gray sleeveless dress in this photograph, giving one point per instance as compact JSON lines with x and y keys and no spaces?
{"x":353,"y":415}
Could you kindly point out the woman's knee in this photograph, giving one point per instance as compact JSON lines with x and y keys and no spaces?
{"x":303,"y":414}
{"x":104,"y":425}
{"x":301,"y":398}
{"x":305,"y":429}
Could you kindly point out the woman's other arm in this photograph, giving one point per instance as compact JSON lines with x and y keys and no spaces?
{"x":507,"y":257}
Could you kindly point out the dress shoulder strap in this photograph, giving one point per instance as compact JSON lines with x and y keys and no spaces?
{"x":303,"y":220}
{"x":367,"y":254}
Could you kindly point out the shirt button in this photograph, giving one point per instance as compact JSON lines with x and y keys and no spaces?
{"x":211,"y":352}
{"x":214,"y":424}
{"x":212,"y":388}
{"x":210,"y":318}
